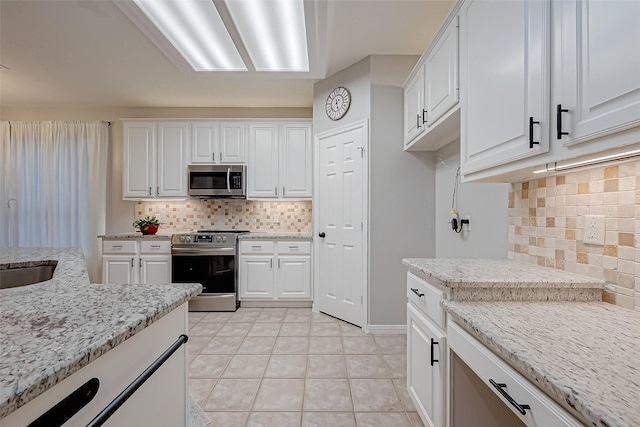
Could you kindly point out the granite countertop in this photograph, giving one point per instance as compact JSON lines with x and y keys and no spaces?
{"x":583,"y":355}
{"x":54,"y":328}
{"x":276,"y":235}
{"x":134,"y":235}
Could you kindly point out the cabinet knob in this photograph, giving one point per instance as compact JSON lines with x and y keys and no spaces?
{"x":321,"y":234}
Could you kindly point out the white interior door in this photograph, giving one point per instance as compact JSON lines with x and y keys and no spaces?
{"x":341,"y":279}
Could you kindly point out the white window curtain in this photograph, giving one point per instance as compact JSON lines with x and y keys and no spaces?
{"x":5,"y":201}
{"x":58,"y":184}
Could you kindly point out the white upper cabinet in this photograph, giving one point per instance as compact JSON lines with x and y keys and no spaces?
{"x":596,"y":66}
{"x":504,"y":82}
{"x":232,"y":142}
{"x":172,"y":159}
{"x":414,"y":110}
{"x":218,"y":142}
{"x":279,"y":160}
{"x":295,"y":161}
{"x":155,"y":159}
{"x":263,"y":160}
{"x":204,"y":142}
{"x":139,"y":148}
{"x":441,"y":66}
{"x":431,"y":118}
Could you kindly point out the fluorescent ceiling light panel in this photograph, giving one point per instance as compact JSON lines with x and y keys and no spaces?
{"x":196,"y":30}
{"x":273,"y":31}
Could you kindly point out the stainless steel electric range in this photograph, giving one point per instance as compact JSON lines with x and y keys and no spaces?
{"x":208,"y":257}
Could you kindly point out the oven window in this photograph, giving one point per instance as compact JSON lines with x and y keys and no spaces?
{"x":208,"y":180}
{"x":215,"y":273}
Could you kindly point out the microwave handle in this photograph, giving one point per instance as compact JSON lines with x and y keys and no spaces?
{"x":228,"y":180}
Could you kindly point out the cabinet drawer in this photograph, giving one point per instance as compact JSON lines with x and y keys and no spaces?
{"x":118,"y":246}
{"x":426,"y":297}
{"x":256,"y":247}
{"x":490,"y":368}
{"x":294,"y":247}
{"x":155,"y":247}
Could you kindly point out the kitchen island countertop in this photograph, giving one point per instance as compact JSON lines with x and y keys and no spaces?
{"x":52,"y":329}
{"x":132,"y":236}
{"x":583,"y":355}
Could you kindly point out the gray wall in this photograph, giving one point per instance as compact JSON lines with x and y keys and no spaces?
{"x":486,"y":203}
{"x":401,"y":184}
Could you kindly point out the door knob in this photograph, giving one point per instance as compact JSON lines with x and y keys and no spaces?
{"x":321,"y":234}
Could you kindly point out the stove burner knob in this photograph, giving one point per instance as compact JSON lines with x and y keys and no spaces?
{"x":182,"y":238}
{"x":187,"y":239}
{"x":218,"y":239}
{"x":224,"y":239}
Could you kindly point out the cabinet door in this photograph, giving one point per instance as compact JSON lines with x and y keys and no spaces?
{"x":172,"y":164}
{"x":256,"y":277}
{"x":426,"y":367}
{"x":596,"y":65}
{"x":414,"y":121}
{"x":232,"y":143}
{"x":118,"y":269}
{"x":295,"y":161}
{"x":204,"y":142}
{"x":294,"y":277}
{"x":155,"y":269}
{"x":263,"y":160}
{"x":139,"y":168}
{"x":441,"y":68}
{"x":504,"y":82}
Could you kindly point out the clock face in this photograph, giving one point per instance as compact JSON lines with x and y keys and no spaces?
{"x":338,"y":103}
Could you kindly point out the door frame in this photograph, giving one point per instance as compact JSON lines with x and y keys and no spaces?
{"x":317,"y":138}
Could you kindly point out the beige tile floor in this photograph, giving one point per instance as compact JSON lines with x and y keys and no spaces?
{"x":281,"y":367}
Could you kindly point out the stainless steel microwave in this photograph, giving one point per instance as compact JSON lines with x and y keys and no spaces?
{"x":217,"y":181}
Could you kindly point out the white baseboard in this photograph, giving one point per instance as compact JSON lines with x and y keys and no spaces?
{"x":386,"y":329}
{"x":276,"y":304}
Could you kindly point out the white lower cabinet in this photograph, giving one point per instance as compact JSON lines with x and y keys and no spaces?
{"x":134,"y":261}
{"x":426,"y":367}
{"x":271,"y":270}
{"x":161,"y":401}
{"x":426,"y":352}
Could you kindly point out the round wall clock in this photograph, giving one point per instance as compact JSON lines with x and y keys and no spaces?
{"x":338,"y":103}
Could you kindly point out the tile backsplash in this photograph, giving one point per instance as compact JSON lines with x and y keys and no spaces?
{"x":546,"y":220}
{"x":195,"y":214}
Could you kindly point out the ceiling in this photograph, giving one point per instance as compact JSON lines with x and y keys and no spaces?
{"x":88,"y":53}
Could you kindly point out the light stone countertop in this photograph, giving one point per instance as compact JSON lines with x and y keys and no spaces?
{"x":131,"y":236}
{"x":52,"y":329}
{"x":504,"y":280}
{"x":276,"y":236}
{"x":583,"y":355}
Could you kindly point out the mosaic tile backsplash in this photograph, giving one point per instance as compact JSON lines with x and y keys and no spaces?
{"x":546,"y":220}
{"x":263,"y":216}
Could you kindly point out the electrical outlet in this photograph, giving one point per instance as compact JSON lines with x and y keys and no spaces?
{"x":594,"y":229}
{"x":275,"y":219}
{"x":467,"y":226}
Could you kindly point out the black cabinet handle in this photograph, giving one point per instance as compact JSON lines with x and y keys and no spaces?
{"x":559,"y":112}
{"x":424,"y":119}
{"x":433,"y":342}
{"x":531,"y":141}
{"x":120,"y":399}
{"x":321,"y":234}
{"x":69,"y":406}
{"x":415,"y":291}
{"x":501,"y":388}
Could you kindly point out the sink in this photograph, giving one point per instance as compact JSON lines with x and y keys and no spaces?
{"x":22,"y":276}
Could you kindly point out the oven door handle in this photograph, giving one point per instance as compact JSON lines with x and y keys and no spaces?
{"x":202,"y":251}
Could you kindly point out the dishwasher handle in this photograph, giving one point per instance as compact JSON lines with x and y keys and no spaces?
{"x":107,"y":412}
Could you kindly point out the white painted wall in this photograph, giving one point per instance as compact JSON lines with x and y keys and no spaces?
{"x":486,"y":203}
{"x":401,"y":184}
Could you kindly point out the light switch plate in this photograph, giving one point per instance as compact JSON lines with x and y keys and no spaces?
{"x":594,"y":230}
